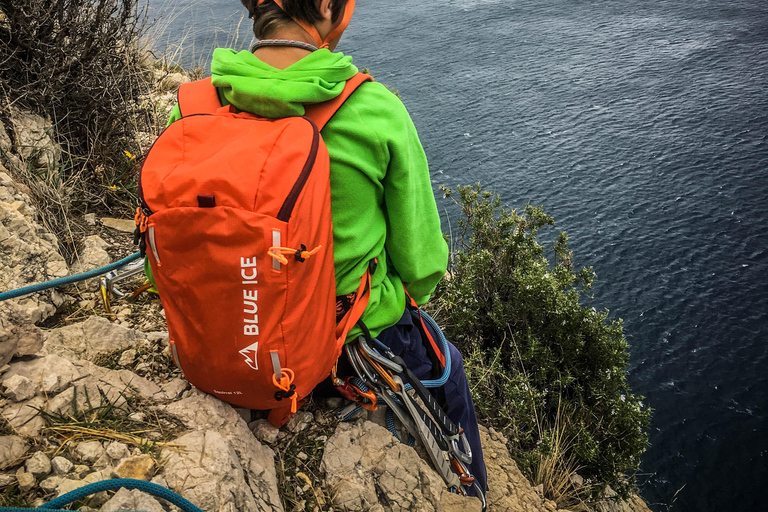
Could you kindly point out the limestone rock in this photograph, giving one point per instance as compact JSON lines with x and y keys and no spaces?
{"x":19,"y":388}
{"x":38,"y":464}
{"x":209,"y":473}
{"x":26,"y":480}
{"x":125,"y":500}
{"x":264,"y":431}
{"x":12,"y":449}
{"x":371,"y":470}
{"x":91,"y":255}
{"x":174,"y":388}
{"x":207,"y":413}
{"x":611,"y":504}
{"x":30,"y":255}
{"x":94,"y":336}
{"x":141,"y":467}
{"x":25,"y":417}
{"x":124,"y":225}
{"x":117,"y":451}
{"x":508,"y":488}
{"x":89,"y":451}
{"x":32,"y":139}
{"x":50,"y":484}
{"x":61,"y":466}
{"x":54,"y":373}
{"x":300,"y":421}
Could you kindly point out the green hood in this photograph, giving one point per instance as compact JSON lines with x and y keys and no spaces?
{"x":251,"y":85}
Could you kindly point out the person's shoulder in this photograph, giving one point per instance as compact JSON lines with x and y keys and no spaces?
{"x":374,"y":98}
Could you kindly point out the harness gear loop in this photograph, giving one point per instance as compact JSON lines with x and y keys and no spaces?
{"x":300,"y":254}
{"x":312,"y":31}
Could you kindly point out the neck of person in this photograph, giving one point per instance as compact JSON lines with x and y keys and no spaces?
{"x":281,"y":57}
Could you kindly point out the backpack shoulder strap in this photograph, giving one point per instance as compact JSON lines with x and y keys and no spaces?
{"x":199,"y":97}
{"x":321,"y":113}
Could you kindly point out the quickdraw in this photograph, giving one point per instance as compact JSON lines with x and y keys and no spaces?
{"x":389,"y":380}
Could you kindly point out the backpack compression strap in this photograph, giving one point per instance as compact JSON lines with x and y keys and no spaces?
{"x":198,"y":97}
{"x":321,"y":113}
{"x":201,"y":97}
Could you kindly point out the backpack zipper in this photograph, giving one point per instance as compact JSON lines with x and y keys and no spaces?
{"x":285,"y":211}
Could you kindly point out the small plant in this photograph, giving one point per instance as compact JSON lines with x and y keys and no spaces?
{"x":546,"y":369}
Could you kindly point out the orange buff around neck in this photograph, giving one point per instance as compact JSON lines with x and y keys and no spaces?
{"x":312,"y":31}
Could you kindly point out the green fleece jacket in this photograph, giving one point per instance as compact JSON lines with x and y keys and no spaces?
{"x":381,"y":197}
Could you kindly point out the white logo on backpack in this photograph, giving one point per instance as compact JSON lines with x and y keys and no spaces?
{"x":246,"y":352}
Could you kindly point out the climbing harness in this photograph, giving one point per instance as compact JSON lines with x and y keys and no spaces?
{"x":407,"y":398}
{"x":58,"y":504}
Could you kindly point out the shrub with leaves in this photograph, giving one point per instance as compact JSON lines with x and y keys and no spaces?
{"x":78,"y":62}
{"x":545,"y":367}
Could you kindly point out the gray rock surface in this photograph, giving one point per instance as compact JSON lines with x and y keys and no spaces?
{"x":61,"y":466}
{"x":96,"y":335}
{"x":243,"y":458}
{"x":38,"y":464}
{"x":125,"y":500}
{"x":32,"y":139}
{"x":29,"y":255}
{"x":371,"y":470}
{"x":19,"y":388}
{"x":91,"y":255}
{"x":12,"y":449}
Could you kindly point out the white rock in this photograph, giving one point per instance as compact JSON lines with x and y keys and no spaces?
{"x":50,"y":484}
{"x":87,"y":339}
{"x":61,"y":466}
{"x":300,"y":421}
{"x":364,"y":461}
{"x":12,"y":448}
{"x":7,"y":479}
{"x":33,"y":141}
{"x":19,"y":388}
{"x":55,"y":373}
{"x":26,"y":480}
{"x":264,"y":431}
{"x":117,"y":451}
{"x":90,"y":219}
{"x":127,"y":358}
{"x":124,"y":225}
{"x":127,"y":500}
{"x":92,"y":255}
{"x":89,"y":451}
{"x":174,"y":388}
{"x":38,"y":465}
{"x":25,"y":417}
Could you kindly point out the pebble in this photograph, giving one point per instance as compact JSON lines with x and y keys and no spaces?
{"x":26,"y":480}
{"x":38,"y":465}
{"x":127,"y":358}
{"x":61,"y":466}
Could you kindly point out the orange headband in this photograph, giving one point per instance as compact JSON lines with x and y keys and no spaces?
{"x":312,"y":31}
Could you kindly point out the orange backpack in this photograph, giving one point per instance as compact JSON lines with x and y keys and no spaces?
{"x":236,"y":218}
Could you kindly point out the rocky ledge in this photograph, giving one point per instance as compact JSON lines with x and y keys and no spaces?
{"x":88,"y":397}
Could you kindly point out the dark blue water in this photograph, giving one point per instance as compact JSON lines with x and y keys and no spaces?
{"x":641,"y":127}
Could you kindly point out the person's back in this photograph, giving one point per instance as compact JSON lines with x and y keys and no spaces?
{"x":382,"y":203}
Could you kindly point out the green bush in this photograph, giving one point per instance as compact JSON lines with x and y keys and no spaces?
{"x":545,"y":368}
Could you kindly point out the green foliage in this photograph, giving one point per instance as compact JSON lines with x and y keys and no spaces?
{"x":531,"y":344}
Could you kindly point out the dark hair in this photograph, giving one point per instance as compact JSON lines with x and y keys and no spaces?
{"x":268,"y":16}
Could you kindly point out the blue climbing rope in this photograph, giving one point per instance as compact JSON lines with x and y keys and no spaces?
{"x":12,"y":294}
{"x":110,"y":485}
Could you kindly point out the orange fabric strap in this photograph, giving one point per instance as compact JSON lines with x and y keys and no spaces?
{"x":198,"y":97}
{"x":312,"y":31}
{"x":321,"y":113}
{"x":356,"y":311}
